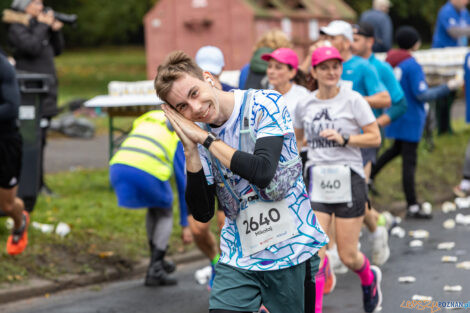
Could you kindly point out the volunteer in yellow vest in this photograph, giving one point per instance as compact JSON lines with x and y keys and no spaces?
{"x":140,"y":172}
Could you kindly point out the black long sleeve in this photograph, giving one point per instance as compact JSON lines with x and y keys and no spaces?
{"x":259,"y":168}
{"x":200,"y":196}
{"x":9,"y":97}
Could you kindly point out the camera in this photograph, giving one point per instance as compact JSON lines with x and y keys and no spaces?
{"x":70,"y":19}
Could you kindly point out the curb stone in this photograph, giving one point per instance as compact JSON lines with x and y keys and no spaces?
{"x":39,"y":287}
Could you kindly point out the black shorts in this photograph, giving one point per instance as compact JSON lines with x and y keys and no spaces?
{"x":11,"y":147}
{"x":352,"y":209}
{"x":369,"y":155}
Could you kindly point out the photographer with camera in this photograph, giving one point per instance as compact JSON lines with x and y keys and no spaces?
{"x":35,"y":38}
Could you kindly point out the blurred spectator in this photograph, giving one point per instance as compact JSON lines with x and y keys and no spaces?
{"x":253,"y":75}
{"x":140,"y":173}
{"x":10,"y":158}
{"x":382,"y":23}
{"x":211,"y":59}
{"x":451,"y":30}
{"x":35,"y":41}
{"x":452,"y":25}
{"x":463,"y":188}
{"x":407,"y":129}
{"x":362,"y":46}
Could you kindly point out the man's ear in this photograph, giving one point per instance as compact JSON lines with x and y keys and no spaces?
{"x":209,"y":78}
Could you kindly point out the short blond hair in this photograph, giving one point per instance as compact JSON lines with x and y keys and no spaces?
{"x":175,"y":66}
{"x":274,"y":39}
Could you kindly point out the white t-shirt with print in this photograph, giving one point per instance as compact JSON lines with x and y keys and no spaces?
{"x":347,"y":113}
{"x":295,"y":94}
{"x":269,"y":117}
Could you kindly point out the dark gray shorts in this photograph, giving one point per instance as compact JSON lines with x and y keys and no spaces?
{"x":369,"y":155}
{"x":241,"y":290}
{"x":352,"y":209}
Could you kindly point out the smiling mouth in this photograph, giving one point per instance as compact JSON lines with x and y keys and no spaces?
{"x":207,"y":112}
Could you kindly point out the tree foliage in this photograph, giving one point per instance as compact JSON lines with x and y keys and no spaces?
{"x":104,"y":22}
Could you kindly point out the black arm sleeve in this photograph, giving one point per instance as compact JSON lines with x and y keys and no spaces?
{"x":9,"y":91}
{"x":259,"y":168}
{"x":200,"y":196}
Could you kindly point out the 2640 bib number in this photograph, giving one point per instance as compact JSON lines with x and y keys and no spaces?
{"x":263,"y":224}
{"x":272,"y":216}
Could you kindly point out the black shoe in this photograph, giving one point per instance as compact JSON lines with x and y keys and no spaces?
{"x":169,"y":266}
{"x":420,"y":214}
{"x":372,"y":295}
{"x":157,"y":274}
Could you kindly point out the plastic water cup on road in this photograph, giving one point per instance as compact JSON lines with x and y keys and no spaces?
{"x":464,"y":265}
{"x":426,"y":207}
{"x":462,"y":219}
{"x":448,"y":207}
{"x":456,"y":288}
{"x":446,"y":245}
{"x":398,"y":232}
{"x":203,"y":275}
{"x":62,"y":229}
{"x":448,"y":259}
{"x":9,"y":223}
{"x":462,"y":203}
{"x":449,"y":224}
{"x":44,"y":228}
{"x":416,"y":243}
{"x":421,"y":298}
{"x":406,"y":279}
{"x":419,"y":234}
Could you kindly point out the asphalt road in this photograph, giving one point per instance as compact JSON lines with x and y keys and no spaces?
{"x":423,"y":263}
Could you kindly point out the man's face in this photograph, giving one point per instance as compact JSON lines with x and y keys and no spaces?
{"x":459,"y":4}
{"x":194,"y":99}
{"x":361,"y":46}
{"x":34,"y":8}
{"x":339,"y":42}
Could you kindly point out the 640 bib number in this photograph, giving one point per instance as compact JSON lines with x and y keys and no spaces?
{"x":330,"y":184}
{"x":263,"y":224}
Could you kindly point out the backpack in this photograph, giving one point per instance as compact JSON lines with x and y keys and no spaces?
{"x":287,"y":172}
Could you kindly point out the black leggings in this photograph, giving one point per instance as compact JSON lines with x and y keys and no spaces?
{"x":408,"y":151}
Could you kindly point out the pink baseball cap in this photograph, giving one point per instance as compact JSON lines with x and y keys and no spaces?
{"x":283,"y":55}
{"x":323,"y":54}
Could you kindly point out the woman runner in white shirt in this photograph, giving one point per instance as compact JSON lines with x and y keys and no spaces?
{"x":336,"y":122}
{"x":285,"y":78}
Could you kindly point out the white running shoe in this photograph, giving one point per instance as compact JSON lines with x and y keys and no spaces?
{"x":380,"y":249}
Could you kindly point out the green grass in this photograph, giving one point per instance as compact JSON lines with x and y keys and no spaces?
{"x":85,"y":73}
{"x":89,"y":206}
{"x":437,"y":171}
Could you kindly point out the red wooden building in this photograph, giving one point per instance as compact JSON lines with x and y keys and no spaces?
{"x":233,"y":26}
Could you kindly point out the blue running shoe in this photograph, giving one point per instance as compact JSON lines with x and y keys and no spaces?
{"x":372,"y":295}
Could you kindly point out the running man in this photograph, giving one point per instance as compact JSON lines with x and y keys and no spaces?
{"x":362,"y":46}
{"x":336,"y":122}
{"x":10,"y":158}
{"x":247,"y":155}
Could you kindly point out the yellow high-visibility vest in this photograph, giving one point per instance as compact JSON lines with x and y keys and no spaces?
{"x":150,"y":146}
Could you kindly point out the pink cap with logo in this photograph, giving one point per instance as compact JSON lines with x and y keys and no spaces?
{"x":283,"y":55}
{"x":323,"y":54}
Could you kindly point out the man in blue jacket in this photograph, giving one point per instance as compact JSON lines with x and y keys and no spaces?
{"x":452,"y":30}
{"x":408,"y":129}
